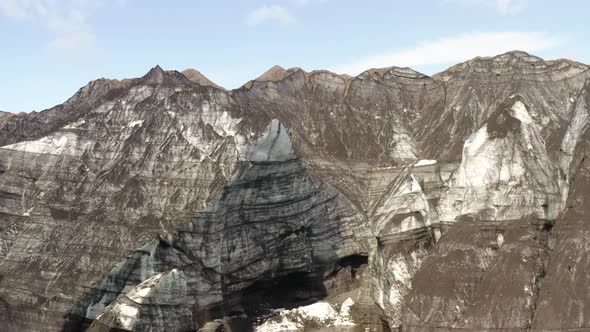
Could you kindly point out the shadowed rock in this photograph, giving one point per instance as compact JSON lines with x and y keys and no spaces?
{"x":269,"y":222}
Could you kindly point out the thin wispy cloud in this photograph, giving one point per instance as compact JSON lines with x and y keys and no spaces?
{"x":67,"y":20}
{"x":503,"y":7}
{"x":275,"y":13}
{"x":453,"y":49}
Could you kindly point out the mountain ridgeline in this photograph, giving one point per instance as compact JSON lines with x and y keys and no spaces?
{"x":414,"y":203}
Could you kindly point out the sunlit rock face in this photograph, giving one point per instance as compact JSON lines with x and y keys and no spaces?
{"x":433,"y":197}
{"x":158,"y":303}
{"x":472,"y":91}
{"x":404,"y":230}
{"x":505,"y":171}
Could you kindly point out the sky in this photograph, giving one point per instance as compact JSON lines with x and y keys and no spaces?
{"x":51,"y":48}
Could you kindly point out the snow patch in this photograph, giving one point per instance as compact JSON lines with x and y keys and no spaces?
{"x":425,"y":162}
{"x":222,"y":122}
{"x":520,"y":112}
{"x":28,"y":212}
{"x":476,"y":141}
{"x":499,"y":239}
{"x":142,"y":290}
{"x":320,"y":314}
{"x":75,"y":125}
{"x":344,"y":318}
{"x":128,"y":315}
{"x":61,"y":143}
{"x":135,"y":123}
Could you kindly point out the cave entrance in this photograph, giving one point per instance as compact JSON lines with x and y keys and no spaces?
{"x":292,"y":290}
{"x":303,"y":288}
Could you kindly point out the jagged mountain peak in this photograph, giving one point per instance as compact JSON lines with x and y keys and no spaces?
{"x":276,"y":73}
{"x":197,"y":77}
{"x":513,"y":64}
{"x":405,"y":72}
{"x":97,"y":88}
{"x":155,"y":73}
{"x":158,"y":76}
{"x":327,"y":72}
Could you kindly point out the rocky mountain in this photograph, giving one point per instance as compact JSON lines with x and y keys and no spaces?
{"x":166,"y":203}
{"x":196,"y":76}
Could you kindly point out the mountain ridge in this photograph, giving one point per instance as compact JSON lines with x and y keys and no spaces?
{"x":199,"y":78}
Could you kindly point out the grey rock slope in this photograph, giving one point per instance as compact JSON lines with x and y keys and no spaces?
{"x":458,"y":199}
{"x":269,"y":222}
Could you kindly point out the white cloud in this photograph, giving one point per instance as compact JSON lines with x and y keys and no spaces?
{"x":307,"y":2}
{"x":453,"y":49}
{"x":270,"y":13}
{"x":503,"y":7}
{"x":67,"y":20}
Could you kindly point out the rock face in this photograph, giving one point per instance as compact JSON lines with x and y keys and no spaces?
{"x":480,"y":276}
{"x":563,"y":297}
{"x":505,"y":172}
{"x":158,"y":303}
{"x":403,"y":226}
{"x":136,"y":166}
{"x":270,"y":222}
{"x":455,"y":201}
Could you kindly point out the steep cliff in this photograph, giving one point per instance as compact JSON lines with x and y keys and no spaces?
{"x":269,"y":224}
{"x":563,"y":298}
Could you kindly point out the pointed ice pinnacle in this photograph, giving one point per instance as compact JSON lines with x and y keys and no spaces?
{"x":275,"y":145}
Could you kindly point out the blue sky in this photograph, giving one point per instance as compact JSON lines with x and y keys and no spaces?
{"x":50,"y":48}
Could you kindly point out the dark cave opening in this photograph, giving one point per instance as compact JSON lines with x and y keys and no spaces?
{"x":302,"y":287}
{"x":289,"y":291}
